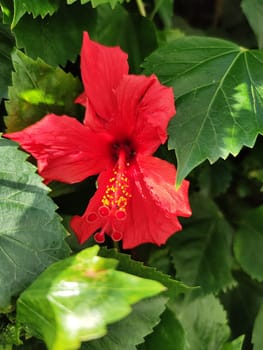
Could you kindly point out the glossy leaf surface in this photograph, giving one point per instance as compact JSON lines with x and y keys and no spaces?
{"x":219,"y":97}
{"x":75,"y":299}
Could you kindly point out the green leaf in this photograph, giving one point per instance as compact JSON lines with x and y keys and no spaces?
{"x":165,"y":11}
{"x":31,"y":234}
{"x":202,"y":253}
{"x":242,"y":302}
{"x":74,"y":299}
{"x":253,"y":9}
{"x":257,"y":337}
{"x":96,"y":3}
{"x":235,"y":344}
{"x":36,"y":8}
{"x":63,"y":45}
{"x":130,"y":331}
{"x":168,"y":334}
{"x":137,"y":268}
{"x":6,"y":45}
{"x":135,"y":34}
{"x":219,"y":94}
{"x":205,"y":323}
{"x":215,"y":180}
{"x":248,"y":242}
{"x":38,"y":89}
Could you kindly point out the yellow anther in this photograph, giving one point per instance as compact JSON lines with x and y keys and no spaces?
{"x":117,"y":191}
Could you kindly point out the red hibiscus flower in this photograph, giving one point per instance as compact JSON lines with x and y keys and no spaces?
{"x":125,"y":122}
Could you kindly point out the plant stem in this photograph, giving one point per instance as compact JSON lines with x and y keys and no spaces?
{"x":116,"y":246}
{"x":141,"y":7}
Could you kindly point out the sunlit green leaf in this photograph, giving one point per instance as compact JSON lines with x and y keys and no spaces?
{"x":219,"y":97}
{"x":38,"y":89}
{"x":59,"y":37}
{"x":248,"y":243}
{"x":31,"y":234}
{"x":202,"y":252}
{"x":75,"y":299}
{"x":36,"y":8}
{"x":234,"y":344}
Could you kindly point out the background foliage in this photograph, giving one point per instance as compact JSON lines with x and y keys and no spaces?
{"x":210,"y":275}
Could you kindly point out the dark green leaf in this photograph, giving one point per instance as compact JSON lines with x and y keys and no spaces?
{"x":31,"y":235}
{"x":137,"y":268}
{"x":96,"y":3}
{"x":216,"y":179}
{"x":205,"y":323}
{"x":253,"y":10}
{"x":168,"y":334}
{"x":38,"y":89}
{"x":130,"y":331}
{"x":257,"y":336}
{"x":242,"y":303}
{"x":6,"y":45}
{"x":248,"y":243}
{"x":133,"y":33}
{"x":202,"y":252}
{"x":160,"y":259}
{"x":74,"y":299}
{"x":36,"y":8}
{"x":219,"y":94}
{"x":54,"y":44}
{"x":165,"y":10}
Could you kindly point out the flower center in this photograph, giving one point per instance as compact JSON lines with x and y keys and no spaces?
{"x":114,"y":202}
{"x":125,"y":148}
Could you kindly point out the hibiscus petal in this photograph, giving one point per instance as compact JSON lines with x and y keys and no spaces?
{"x":147,"y":222}
{"x":155,"y":204}
{"x":65,"y":149}
{"x":159,"y":177}
{"x":152,"y":207}
{"x":91,"y":221}
{"x":102,"y":69}
{"x":144,"y":110}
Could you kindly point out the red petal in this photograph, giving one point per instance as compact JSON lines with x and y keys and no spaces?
{"x":152,"y":208}
{"x":81,"y":99}
{"x":144,"y":110}
{"x":82,"y":226}
{"x":159,"y":177}
{"x":102,"y":68}
{"x":65,"y":149}
{"x":155,"y":204}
